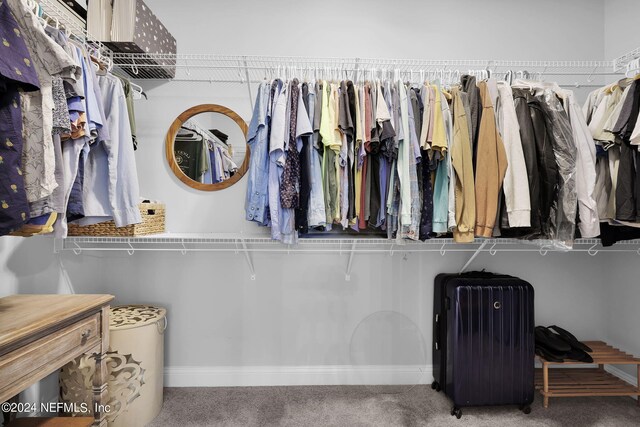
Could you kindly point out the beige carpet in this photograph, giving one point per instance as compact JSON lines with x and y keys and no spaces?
{"x":374,"y":406}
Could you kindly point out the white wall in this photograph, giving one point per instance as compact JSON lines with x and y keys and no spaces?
{"x":620,"y":27}
{"x":300,"y":311}
{"x":622,"y":302}
{"x":457,"y":29}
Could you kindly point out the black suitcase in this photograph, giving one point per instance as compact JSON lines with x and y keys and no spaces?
{"x":483,"y":340}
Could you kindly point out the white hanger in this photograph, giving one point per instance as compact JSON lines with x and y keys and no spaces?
{"x":632,"y":67}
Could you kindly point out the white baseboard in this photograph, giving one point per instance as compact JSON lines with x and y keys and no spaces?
{"x":235,"y":376}
{"x":247,"y":376}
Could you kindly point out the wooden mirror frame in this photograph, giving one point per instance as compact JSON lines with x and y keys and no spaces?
{"x":173,"y":131}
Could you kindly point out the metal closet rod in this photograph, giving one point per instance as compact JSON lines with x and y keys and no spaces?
{"x":178,"y":80}
{"x":293,"y":60}
{"x":304,"y":70}
{"x":351,"y":64}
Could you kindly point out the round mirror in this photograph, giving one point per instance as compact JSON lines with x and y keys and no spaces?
{"x":206,"y":147}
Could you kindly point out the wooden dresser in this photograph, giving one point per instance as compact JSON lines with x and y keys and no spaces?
{"x":41,"y":333}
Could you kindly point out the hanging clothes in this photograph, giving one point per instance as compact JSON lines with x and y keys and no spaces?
{"x":111,"y":189}
{"x":188,"y":151}
{"x":440,"y":145}
{"x":16,"y":76}
{"x":491,"y":155}
{"x":386,"y":156}
{"x":63,"y":121}
{"x":256,"y":201}
{"x":276,"y":159}
{"x":530,"y":153}
{"x":612,"y":117}
{"x":317,"y":212}
{"x":589,"y":224}
{"x":49,"y":60}
{"x":516,"y":186}
{"x":462,"y":160}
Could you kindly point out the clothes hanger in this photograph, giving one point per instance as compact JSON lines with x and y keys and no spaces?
{"x":508,"y":77}
{"x":633,"y":67}
{"x":456,"y":78}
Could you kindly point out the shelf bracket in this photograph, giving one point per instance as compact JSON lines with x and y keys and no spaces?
{"x":131,"y":249}
{"x":77,"y":250}
{"x":347,"y":275}
{"x":248,"y":258}
{"x":64,"y":274}
{"x":475,"y":254}
{"x":58,"y":245}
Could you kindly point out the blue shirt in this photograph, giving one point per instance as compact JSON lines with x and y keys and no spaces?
{"x":277,"y":159}
{"x":256,"y":200}
{"x":317,"y":215}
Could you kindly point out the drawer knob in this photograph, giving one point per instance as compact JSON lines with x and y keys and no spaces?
{"x":86,"y":334}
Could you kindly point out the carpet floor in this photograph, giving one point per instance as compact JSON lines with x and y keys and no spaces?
{"x":374,"y":406}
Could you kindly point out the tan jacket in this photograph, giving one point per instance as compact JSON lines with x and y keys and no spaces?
{"x":490,"y":168}
{"x":465,"y":195}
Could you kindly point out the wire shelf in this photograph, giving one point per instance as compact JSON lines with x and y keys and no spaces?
{"x":253,"y":69}
{"x":621,"y":62}
{"x":344,"y":247}
{"x":232,"y":242}
{"x":73,"y":23}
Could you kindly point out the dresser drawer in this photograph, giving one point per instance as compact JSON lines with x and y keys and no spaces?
{"x":52,"y":351}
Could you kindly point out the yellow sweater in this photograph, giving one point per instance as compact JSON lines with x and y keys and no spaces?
{"x":490,"y":168}
{"x":462,"y":161}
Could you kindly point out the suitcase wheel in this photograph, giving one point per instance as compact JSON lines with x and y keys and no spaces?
{"x":436,"y":386}
{"x":457,"y":412}
{"x":526,"y":409}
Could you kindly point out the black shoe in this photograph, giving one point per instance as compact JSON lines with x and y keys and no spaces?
{"x":568,"y":337}
{"x":548,"y":355}
{"x":550,"y":340}
{"x":579,"y":355}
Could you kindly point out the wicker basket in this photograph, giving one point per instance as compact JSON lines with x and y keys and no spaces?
{"x":152,"y":223}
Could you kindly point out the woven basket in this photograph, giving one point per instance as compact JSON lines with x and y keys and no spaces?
{"x":152,"y":223}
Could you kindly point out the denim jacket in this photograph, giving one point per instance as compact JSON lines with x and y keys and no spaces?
{"x":256,"y":200}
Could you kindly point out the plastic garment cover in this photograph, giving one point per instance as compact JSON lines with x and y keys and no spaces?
{"x":547,"y":169}
{"x":563,"y":210}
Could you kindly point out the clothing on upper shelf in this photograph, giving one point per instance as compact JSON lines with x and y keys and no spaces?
{"x":421,"y":160}
{"x":68,"y":154}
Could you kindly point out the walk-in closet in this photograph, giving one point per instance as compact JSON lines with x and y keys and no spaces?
{"x":363,"y":213}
